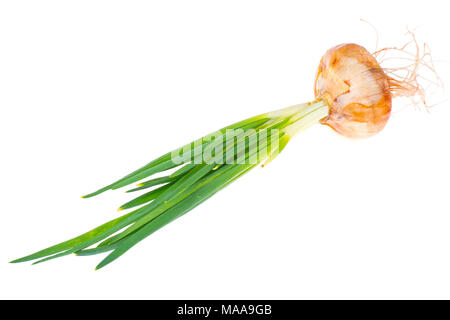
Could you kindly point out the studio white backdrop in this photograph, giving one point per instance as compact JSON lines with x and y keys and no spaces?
{"x":91,"y":90}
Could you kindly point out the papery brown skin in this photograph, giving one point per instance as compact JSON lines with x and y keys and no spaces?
{"x":356,"y":89}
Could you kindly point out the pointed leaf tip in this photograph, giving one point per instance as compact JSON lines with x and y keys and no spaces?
{"x":20,"y":260}
{"x":97,"y":192}
{"x":98,"y":267}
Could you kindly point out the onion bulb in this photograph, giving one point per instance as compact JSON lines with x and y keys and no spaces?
{"x":356,"y":89}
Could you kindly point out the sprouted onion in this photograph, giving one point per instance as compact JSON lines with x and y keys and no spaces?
{"x":353,"y":96}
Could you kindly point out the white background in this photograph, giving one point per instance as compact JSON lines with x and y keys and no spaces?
{"x":90,"y":90}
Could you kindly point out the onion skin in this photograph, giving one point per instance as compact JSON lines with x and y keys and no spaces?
{"x":356,"y":89}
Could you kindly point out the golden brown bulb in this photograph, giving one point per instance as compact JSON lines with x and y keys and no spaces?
{"x":356,"y":89}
